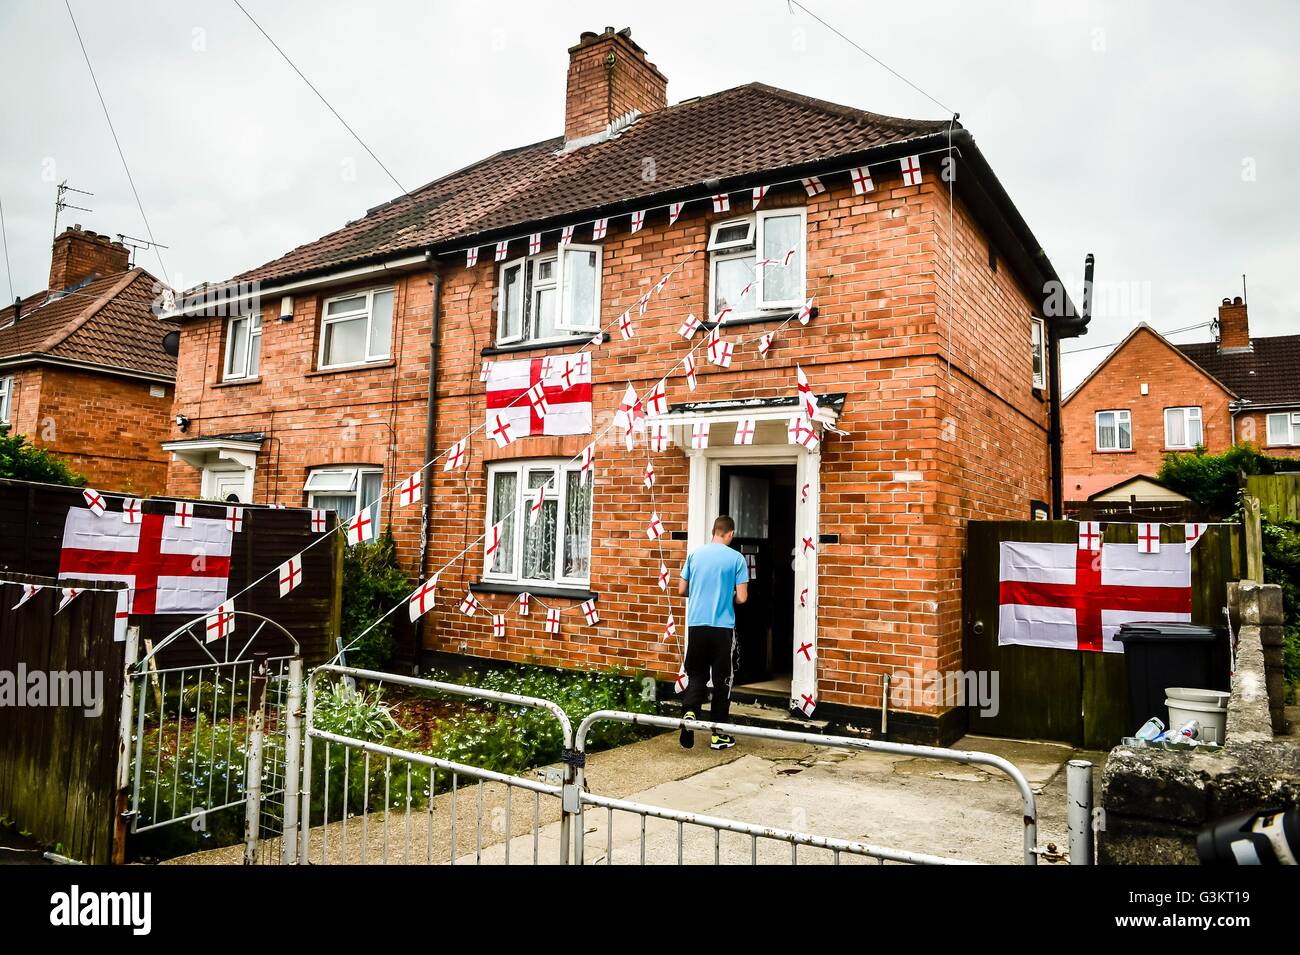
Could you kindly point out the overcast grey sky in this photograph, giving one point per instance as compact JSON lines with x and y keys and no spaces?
{"x":1157,"y":135}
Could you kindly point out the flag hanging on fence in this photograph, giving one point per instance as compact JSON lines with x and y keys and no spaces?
{"x":170,"y":569}
{"x":1062,"y":596}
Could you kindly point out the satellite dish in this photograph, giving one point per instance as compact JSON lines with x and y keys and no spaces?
{"x":172,"y":343}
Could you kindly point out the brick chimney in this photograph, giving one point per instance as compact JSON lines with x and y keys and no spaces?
{"x":81,"y":255}
{"x":609,"y":76}
{"x":1234,"y":330}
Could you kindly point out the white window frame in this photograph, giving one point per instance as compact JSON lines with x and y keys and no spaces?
{"x":560,"y":467}
{"x":565,"y":329}
{"x":228,"y":373}
{"x":1291,"y":420}
{"x":6,"y":397}
{"x":327,"y":319}
{"x":1187,"y":417}
{"x":729,"y":250}
{"x":355,"y":488}
{"x":1120,"y":414}
{"x":1038,"y":350}
{"x":744,"y":242}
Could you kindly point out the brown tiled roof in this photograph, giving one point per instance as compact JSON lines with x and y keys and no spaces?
{"x":738,"y":132}
{"x":1266,"y":374}
{"x":107,"y":323}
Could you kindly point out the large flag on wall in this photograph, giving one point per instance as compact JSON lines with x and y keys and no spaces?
{"x":1058,"y":595}
{"x":562,"y":404}
{"x":167,"y":569}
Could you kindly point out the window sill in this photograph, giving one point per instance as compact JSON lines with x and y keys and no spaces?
{"x":236,"y":382}
{"x":537,"y":590}
{"x":539,"y":346}
{"x":345,"y":369}
{"x":1114,"y":451}
{"x":767,"y":319}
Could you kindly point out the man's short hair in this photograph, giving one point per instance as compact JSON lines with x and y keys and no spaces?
{"x":723,"y":526}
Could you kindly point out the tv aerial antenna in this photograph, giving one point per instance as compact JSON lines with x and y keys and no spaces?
{"x":135,"y":245}
{"x":61,"y":203}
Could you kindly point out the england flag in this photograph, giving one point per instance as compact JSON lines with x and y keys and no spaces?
{"x":566,"y":389}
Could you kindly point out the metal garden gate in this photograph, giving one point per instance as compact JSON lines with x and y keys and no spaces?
{"x":217,"y":741}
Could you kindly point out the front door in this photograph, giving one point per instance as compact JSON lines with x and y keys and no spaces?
{"x":761,"y":500}
{"x":230,"y":485}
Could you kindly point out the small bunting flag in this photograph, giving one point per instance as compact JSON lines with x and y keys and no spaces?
{"x":318,"y":520}
{"x":674,"y":211}
{"x":659,"y":438}
{"x":813,"y":186}
{"x":655,"y":529}
{"x":184,"y":514}
{"x":648,"y":478}
{"x":471,"y":257}
{"x":290,"y":574}
{"x":360,"y":526}
{"x":411,"y":490}
{"x":534,"y":243}
{"x":759,"y":193}
{"x":524,"y":600}
{"x":589,"y":611}
{"x":638,"y":220}
{"x":501,"y":431}
{"x":132,"y":510}
{"x":94,"y":500}
{"x":722,"y":202}
{"x":598,"y":229}
{"x":221,"y":623}
{"x":469,"y":605}
{"x":862,"y":183}
{"x":765,"y":344}
{"x":911,"y":170}
{"x":422,"y":599}
{"x":699,"y":435}
{"x":503,"y":249}
{"x":499,"y":626}
{"x":553,"y":621}
{"x":566,"y":235}
{"x":235,"y":519}
{"x":746,"y":428}
{"x":455,"y":455}
{"x":688,"y":365}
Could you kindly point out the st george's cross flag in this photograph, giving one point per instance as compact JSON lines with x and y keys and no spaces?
{"x":566,"y":392}
{"x":1060,"y":596}
{"x":168,"y":569}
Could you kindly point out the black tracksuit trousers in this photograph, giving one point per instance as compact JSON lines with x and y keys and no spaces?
{"x":709,"y":652}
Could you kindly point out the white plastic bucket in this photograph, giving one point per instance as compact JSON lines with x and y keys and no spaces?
{"x":1217,"y":697}
{"x":1213,"y":718}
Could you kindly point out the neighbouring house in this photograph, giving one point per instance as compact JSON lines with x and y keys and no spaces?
{"x":340,"y":368}
{"x":83,"y":372}
{"x":1149,"y":397}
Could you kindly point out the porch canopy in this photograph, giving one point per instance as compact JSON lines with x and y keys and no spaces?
{"x":771,"y":417}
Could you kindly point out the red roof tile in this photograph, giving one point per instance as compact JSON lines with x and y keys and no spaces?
{"x":1268,"y":373}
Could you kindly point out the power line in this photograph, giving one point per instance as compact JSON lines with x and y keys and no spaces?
{"x":320,"y":96}
{"x":116,"y":141}
{"x":867,"y":53}
{"x":4,"y":237}
{"x":1172,"y":331}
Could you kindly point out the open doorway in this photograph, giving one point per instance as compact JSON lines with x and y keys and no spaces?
{"x":760,"y":498}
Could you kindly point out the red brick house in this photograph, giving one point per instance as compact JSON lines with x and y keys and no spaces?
{"x":83,"y":372}
{"x":1149,"y":397}
{"x":928,"y":348}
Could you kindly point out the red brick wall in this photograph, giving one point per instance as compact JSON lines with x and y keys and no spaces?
{"x":78,"y":255}
{"x":1252,"y":428}
{"x":1171,"y":380}
{"x":104,"y":426}
{"x":596,"y":95}
{"x":890,"y":587}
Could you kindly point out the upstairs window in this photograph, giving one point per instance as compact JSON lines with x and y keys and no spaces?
{"x":345,"y":490}
{"x":1115,"y":430}
{"x":1284,"y":429}
{"x":550,"y":296}
{"x":6,"y":397}
{"x":775,"y":238}
{"x":1038,"y":347}
{"x":1183,"y":427}
{"x":356,"y":328}
{"x":243,"y":346}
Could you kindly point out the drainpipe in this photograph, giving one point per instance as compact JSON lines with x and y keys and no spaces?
{"x":430,"y":427}
{"x":1069,"y":326}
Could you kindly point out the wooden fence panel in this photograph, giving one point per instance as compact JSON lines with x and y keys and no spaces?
{"x":1071,"y":696}
{"x":32,"y":518}
{"x":58,"y":764}
{"x":1279,"y":494}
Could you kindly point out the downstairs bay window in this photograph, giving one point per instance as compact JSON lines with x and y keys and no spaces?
{"x":555,"y":547}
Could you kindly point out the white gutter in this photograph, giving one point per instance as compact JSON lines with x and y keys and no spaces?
{"x":224,"y":303}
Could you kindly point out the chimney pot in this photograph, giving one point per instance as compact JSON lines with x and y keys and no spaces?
{"x":1234,"y":328}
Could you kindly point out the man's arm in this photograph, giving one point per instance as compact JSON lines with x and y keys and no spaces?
{"x":682,"y":586}
{"x":742,"y":593}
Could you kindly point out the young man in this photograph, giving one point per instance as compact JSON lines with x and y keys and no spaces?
{"x":715,"y":578}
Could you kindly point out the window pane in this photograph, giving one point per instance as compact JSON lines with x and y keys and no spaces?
{"x":539,"y":543}
{"x":577,"y":526}
{"x":1195,"y":435}
{"x":381,"y":324}
{"x":512,"y":302}
{"x":580,"y":288}
{"x":1125,"y":433}
{"x":1175,"y":436}
{"x":345,"y":342}
{"x":504,"y":487}
{"x":254,"y":354}
{"x":344,"y":504}
{"x":544,"y":312}
{"x":781,"y":283}
{"x":345,"y":306}
{"x":1106,"y":430}
{"x":332,"y":480}
{"x":238,"y":348}
{"x":731,"y":276}
{"x":1279,"y":431}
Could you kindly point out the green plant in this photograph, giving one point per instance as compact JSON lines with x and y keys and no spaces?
{"x":25,"y":462}
{"x":372,"y":584}
{"x":1214,"y":480}
{"x":1282,"y":567}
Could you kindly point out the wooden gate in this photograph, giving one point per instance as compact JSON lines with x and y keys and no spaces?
{"x":1070,"y":696}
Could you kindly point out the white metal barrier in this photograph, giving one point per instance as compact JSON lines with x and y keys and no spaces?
{"x":756,"y":833}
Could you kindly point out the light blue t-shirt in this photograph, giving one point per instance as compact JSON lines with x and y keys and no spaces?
{"x":714,"y":571}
